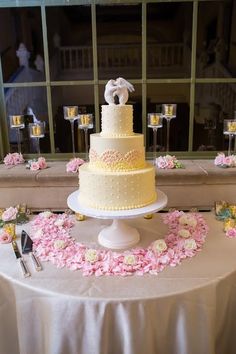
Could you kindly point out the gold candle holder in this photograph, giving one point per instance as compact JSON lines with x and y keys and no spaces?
{"x":70,"y":112}
{"x":36,"y":130}
{"x":231,"y":127}
{"x":79,"y":217}
{"x":10,"y":229}
{"x":17,"y":121}
{"x":84,"y":119}
{"x":155,"y":119}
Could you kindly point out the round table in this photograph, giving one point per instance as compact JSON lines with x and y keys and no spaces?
{"x":188,"y":309}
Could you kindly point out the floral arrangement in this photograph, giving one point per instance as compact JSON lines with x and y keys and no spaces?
{"x":168,"y":162}
{"x":15,"y":215}
{"x":73,"y":165}
{"x":13,"y":159}
{"x":7,"y":216}
{"x":225,"y":161}
{"x":227,"y":213}
{"x":5,"y":237}
{"x":37,"y":164}
{"x":52,"y":242}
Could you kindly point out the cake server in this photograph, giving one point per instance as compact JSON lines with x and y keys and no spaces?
{"x":27,"y":248}
{"x":23,"y":266}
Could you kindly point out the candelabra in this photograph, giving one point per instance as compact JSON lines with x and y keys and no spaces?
{"x":37,"y":132}
{"x":230,"y":130}
{"x":71,"y":114}
{"x":85,"y":122}
{"x":17,"y":123}
{"x":154,"y":122}
{"x":168,"y":112}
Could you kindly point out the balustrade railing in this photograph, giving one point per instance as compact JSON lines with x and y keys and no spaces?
{"x":127,"y":55}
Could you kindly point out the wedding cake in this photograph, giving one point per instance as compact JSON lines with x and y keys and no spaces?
{"x":117,"y":177}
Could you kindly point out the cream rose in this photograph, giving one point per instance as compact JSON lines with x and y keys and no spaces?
{"x":91,"y":255}
{"x":59,"y":244}
{"x":129,"y":259}
{"x":159,"y":246}
{"x":190,"y":244}
{"x":184,"y":233}
{"x":59,"y":222}
{"x":187,"y":220}
{"x":46,"y":214}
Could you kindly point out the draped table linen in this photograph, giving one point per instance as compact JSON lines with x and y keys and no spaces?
{"x":189,"y":309}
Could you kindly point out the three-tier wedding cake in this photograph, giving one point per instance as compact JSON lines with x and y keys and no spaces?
{"x":117,"y":177}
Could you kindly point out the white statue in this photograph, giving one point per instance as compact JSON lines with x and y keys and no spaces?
{"x":120,"y":88}
{"x":30,"y":112}
{"x":39,"y":63}
{"x":23,"y":54}
{"x":110,"y":88}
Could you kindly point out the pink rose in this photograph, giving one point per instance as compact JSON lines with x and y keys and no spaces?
{"x":228,"y":161}
{"x":13,"y":159}
{"x":5,"y":237}
{"x":231,"y":233}
{"x":34,"y":166}
{"x":219,"y":160}
{"x":9,"y":214}
{"x":73,"y":165}
{"x":42,"y":163}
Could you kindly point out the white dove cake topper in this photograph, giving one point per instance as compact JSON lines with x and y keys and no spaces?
{"x":119,"y":88}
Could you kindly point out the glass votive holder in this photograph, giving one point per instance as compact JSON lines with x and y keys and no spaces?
{"x":70,"y":112}
{"x":37,"y":130}
{"x":155,"y":120}
{"x":17,"y":121}
{"x":85,"y":121}
{"x":10,"y":229}
{"x":230,"y":127}
{"x":169,"y":110}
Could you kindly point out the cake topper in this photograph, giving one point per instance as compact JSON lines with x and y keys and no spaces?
{"x":119,"y":88}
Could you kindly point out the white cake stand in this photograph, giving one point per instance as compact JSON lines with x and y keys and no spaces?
{"x":118,"y":235}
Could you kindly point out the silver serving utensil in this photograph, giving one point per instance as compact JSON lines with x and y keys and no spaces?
{"x":27,"y":248}
{"x":23,"y":266}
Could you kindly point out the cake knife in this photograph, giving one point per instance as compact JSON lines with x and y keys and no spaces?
{"x":23,"y":266}
{"x":27,"y":248}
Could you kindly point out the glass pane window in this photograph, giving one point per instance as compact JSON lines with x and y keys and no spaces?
{"x":214,"y":104}
{"x":21,"y":45}
{"x":119,"y":41}
{"x":216,"y":38}
{"x":31,"y":103}
{"x":81,"y":96}
{"x":169,"y":39}
{"x":70,"y":42}
{"x":179,"y":126}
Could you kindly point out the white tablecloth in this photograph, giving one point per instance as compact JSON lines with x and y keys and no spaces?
{"x":190,"y":309}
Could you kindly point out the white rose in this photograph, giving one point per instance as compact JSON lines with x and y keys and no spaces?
{"x":187,"y":220}
{"x":91,"y":256}
{"x":159,"y":246}
{"x":184,"y":233}
{"x":59,"y":244}
{"x":190,"y":244}
{"x":130,"y":259}
{"x":59,"y":222}
{"x":46,"y":214}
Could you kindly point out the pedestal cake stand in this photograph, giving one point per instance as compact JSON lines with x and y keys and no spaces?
{"x":118,"y":235}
